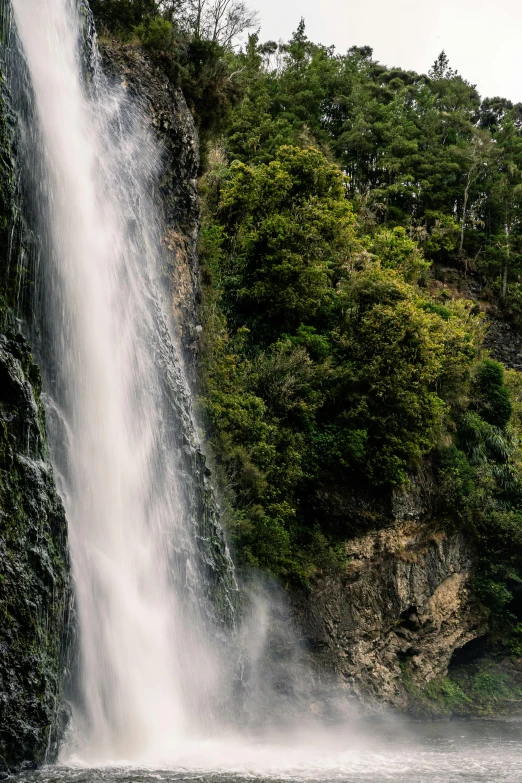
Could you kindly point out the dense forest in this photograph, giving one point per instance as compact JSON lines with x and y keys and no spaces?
{"x":346,"y":208}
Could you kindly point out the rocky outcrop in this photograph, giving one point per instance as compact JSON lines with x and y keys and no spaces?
{"x":502,"y":339}
{"x":397,"y":614}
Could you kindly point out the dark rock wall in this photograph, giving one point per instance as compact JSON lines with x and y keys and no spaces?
{"x":34,"y":572}
{"x":34,"y":587}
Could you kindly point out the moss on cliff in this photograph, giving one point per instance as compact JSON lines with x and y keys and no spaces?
{"x":486,"y":689}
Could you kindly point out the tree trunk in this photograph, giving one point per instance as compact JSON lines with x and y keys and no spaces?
{"x":464,"y":215}
{"x":505,"y":271}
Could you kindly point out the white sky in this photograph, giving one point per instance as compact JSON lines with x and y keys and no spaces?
{"x":482,"y":38}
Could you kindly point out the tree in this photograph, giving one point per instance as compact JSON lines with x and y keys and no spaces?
{"x":288,"y":228}
{"x":406,"y":358}
{"x":254,"y":134}
{"x":441,"y":68}
{"x":507,"y":191}
{"x":122,"y":16}
{"x":493,"y":111}
{"x":477,"y":157}
{"x":219,"y":21}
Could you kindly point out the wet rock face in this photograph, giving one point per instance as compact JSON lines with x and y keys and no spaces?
{"x":402,"y":608}
{"x":34,"y":570}
{"x":178,"y":199}
{"x":34,"y":587}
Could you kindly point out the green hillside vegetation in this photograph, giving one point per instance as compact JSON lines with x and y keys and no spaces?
{"x":337,"y":362}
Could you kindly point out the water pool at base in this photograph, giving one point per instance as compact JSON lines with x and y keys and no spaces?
{"x":441,"y":752}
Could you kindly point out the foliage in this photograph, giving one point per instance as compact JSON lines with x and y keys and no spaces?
{"x":346,"y":370}
{"x":334,"y":364}
{"x":447,"y":697}
{"x":291,"y":228}
{"x":342,"y":183}
{"x":492,"y":396}
{"x":326,"y":365}
{"x":121,"y":16}
{"x":481,"y":689}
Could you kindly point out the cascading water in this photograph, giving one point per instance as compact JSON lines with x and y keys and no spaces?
{"x":152,"y":685}
{"x":146,"y":553}
{"x":147,"y":673}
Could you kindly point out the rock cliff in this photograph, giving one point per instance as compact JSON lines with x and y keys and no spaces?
{"x":397,"y":615}
{"x":34,"y":572}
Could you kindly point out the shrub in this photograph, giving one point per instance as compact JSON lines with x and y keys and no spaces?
{"x":156,"y":35}
{"x":493,"y":403}
{"x":122,"y":16}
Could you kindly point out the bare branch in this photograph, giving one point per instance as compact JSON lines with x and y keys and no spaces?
{"x":220,"y":21}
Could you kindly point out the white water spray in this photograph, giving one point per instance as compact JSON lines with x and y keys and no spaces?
{"x":129,"y":530}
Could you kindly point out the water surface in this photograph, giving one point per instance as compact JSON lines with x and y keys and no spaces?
{"x":452,"y":752}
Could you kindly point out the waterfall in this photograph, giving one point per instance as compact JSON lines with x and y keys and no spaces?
{"x":119,"y":412}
